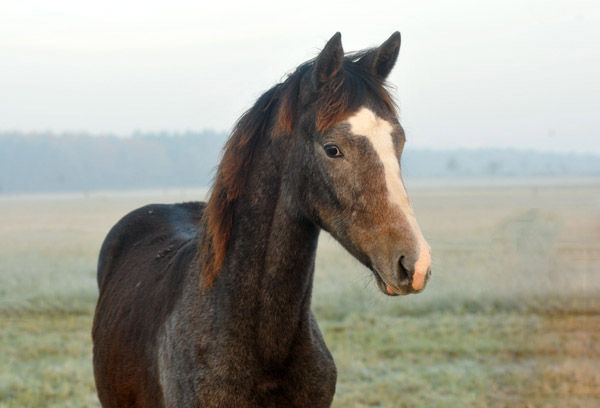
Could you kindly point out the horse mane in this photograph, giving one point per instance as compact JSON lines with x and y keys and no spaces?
{"x":276,"y":113}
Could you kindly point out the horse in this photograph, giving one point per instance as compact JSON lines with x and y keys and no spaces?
{"x":208,"y":304}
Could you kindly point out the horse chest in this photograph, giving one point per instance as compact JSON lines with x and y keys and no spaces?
{"x":218,"y":373}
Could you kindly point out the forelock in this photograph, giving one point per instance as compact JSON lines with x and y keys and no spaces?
{"x":336,"y":100}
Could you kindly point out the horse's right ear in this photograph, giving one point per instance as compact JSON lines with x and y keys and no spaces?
{"x":329,"y":61}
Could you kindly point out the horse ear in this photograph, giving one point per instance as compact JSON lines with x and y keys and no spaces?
{"x":329,"y":61}
{"x":380,"y":61}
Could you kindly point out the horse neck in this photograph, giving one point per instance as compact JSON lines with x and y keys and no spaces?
{"x":267,"y":275}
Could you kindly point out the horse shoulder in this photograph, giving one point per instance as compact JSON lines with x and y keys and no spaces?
{"x":149,"y":224}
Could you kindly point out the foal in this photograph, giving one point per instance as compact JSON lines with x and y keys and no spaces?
{"x":208,"y":304}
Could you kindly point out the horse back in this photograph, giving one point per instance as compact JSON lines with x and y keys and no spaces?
{"x":142,"y":267}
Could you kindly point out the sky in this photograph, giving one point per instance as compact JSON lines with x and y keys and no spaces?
{"x":503,"y":74}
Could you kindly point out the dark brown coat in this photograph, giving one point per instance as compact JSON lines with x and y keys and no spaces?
{"x":208,"y":304}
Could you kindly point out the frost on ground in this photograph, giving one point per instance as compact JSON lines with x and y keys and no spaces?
{"x":511,"y":317}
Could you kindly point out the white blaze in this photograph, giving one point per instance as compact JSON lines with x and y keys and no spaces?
{"x":379,"y":132}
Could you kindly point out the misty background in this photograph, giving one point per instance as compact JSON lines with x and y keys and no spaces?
{"x":108,"y":106}
{"x":123,"y":95}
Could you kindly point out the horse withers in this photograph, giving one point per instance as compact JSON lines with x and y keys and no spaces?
{"x":208,"y":304}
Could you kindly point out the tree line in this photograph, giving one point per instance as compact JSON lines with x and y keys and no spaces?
{"x":48,"y":162}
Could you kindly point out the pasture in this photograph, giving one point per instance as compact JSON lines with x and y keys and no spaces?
{"x":511,"y":317}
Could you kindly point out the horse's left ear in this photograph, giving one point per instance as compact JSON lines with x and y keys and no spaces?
{"x":381,"y":60}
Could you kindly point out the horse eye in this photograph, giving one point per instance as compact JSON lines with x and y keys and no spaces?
{"x":332,"y":150}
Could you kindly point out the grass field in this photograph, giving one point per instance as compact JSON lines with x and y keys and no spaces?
{"x":511,"y":317}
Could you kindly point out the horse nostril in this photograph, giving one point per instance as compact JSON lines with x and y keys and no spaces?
{"x":403,"y":272}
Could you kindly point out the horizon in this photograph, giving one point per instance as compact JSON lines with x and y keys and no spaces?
{"x":225,"y":134}
{"x":80,"y":162}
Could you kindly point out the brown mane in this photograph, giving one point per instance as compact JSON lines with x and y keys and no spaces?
{"x":335,"y":101}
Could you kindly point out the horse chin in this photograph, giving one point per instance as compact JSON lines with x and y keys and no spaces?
{"x":391,"y":290}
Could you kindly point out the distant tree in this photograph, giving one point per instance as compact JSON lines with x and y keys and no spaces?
{"x":452,"y":165}
{"x":493,"y":167}
{"x":48,"y":162}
